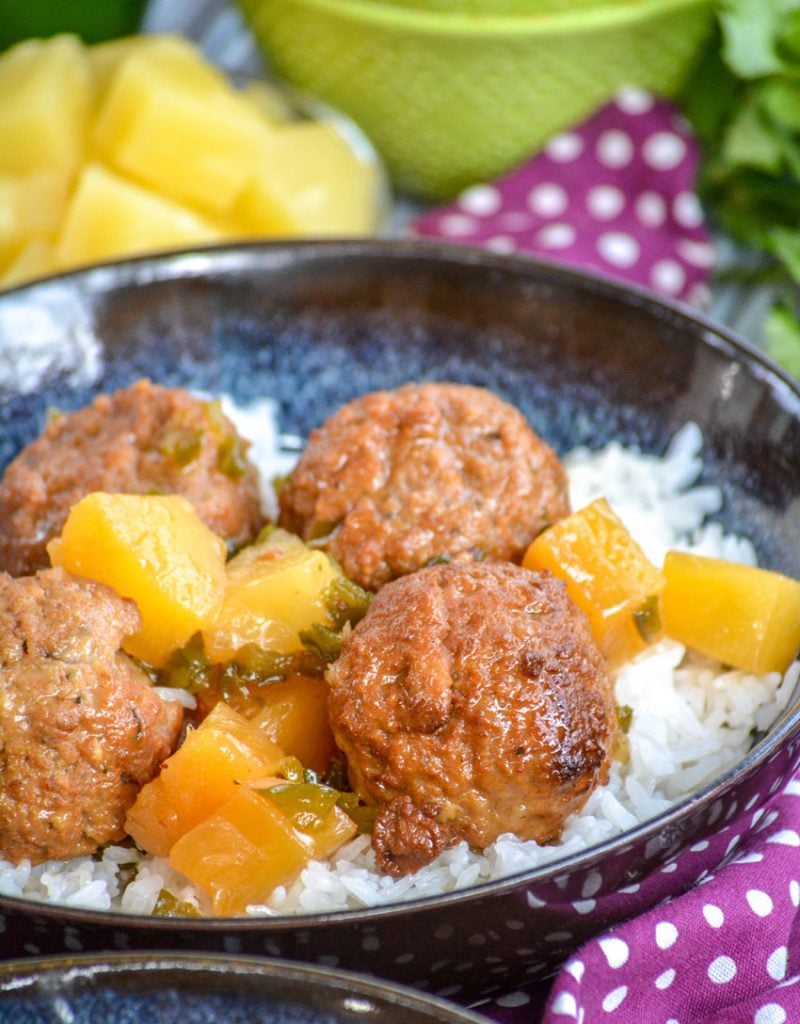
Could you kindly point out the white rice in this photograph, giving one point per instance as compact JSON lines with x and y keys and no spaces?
{"x":692,"y":719}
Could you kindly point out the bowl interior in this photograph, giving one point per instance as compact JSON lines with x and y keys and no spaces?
{"x":174,"y":989}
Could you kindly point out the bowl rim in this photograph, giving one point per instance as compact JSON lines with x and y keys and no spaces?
{"x":217,"y":262}
{"x":479,"y":26}
{"x":18,"y":972}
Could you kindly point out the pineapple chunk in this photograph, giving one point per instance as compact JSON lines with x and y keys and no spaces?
{"x":44,"y":106}
{"x":275,"y":589}
{"x":742,"y":616}
{"x":294,"y":714}
{"x":242,"y":852}
{"x":34,"y":260}
{"x":224,"y":752}
{"x":31,"y":204}
{"x":174,"y":124}
{"x":309,"y":182}
{"x":155,"y":550}
{"x":109,"y":217}
{"x":607,"y":575}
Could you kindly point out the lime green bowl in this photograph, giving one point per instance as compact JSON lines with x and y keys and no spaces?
{"x":450,"y":99}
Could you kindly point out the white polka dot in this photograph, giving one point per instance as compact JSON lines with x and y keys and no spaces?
{"x":514,"y":999}
{"x":770,"y":1013}
{"x":663,"y":151}
{"x":669,"y":868}
{"x":760,"y":903}
{"x":631,"y":100}
{"x":793,"y":787}
{"x":699,"y":254}
{"x":787,"y":837}
{"x":501,"y":244}
{"x":615,"y":149}
{"x":584,"y":906}
{"x":732,"y":845}
{"x":631,"y":889}
{"x":615,"y":998}
{"x":686,"y":210}
{"x":618,"y":248}
{"x":565,"y":1004}
{"x":616,"y":951}
{"x":481,"y":200}
{"x":713,"y":915}
{"x":548,"y":199}
{"x":371,"y":943}
{"x":794,"y":892}
{"x":666,"y":979}
{"x":666,"y":934}
{"x":722,"y":970}
{"x":699,"y":847}
{"x":576,"y":968}
{"x":534,"y":902}
{"x":777,"y":963}
{"x":748,"y":858}
{"x":752,"y":801}
{"x":668,"y":276}
{"x":565,"y":147}
{"x":556,"y":236}
{"x":593,"y":884}
{"x":651,"y":209}
{"x":604,"y":202}
{"x":454,"y":224}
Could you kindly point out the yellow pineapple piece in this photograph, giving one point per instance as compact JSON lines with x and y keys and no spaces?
{"x":35,"y":259}
{"x":172,"y":122}
{"x":741,"y":615}
{"x":30,"y":205}
{"x":309,"y":182}
{"x":275,"y":589}
{"x":155,"y":550}
{"x":44,"y":106}
{"x":108,"y":217}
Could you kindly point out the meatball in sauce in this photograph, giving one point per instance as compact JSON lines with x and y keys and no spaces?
{"x":81,"y":729}
{"x":471,"y":701}
{"x":140,"y":440}
{"x":397,"y":479}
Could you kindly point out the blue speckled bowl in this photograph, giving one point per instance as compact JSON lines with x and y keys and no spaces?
{"x":313,"y":324}
{"x":212,"y":989}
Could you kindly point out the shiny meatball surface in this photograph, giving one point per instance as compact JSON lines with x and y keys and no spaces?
{"x":396,"y":479}
{"x":140,"y":440}
{"x":471,"y":701}
{"x":81,"y":729}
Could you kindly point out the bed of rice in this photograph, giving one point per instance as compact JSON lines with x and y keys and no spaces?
{"x":691,"y":720}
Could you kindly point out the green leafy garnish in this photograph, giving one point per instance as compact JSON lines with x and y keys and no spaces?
{"x":744,"y":103}
{"x":168,"y":905}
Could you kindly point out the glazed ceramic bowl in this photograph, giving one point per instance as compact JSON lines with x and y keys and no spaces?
{"x":451,"y":97}
{"x":225,"y":990}
{"x":314,"y":324}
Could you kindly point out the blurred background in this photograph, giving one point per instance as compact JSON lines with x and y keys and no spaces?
{"x":450,"y":119}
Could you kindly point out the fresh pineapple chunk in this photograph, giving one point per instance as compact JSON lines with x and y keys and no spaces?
{"x":292,"y":195}
{"x":31,"y":205}
{"x":294,"y":714}
{"x":155,"y":550}
{"x":173,"y":124}
{"x":34,"y":260}
{"x":275,"y":589}
{"x":44,"y":106}
{"x":109,"y":217}
{"x":745,"y":617}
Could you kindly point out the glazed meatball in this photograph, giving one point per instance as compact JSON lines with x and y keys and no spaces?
{"x":471,"y":701}
{"x":81,"y":729}
{"x":141,"y":440}
{"x":397,"y":479}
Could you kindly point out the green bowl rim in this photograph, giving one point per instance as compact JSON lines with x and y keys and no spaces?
{"x":480,"y":25}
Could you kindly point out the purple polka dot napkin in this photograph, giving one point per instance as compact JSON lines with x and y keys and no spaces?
{"x":615,"y":195}
{"x":727,"y":951}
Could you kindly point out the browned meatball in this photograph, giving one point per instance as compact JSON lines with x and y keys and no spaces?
{"x":141,"y":440}
{"x":81,"y":729}
{"x":470,"y":701}
{"x":400,"y":478}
